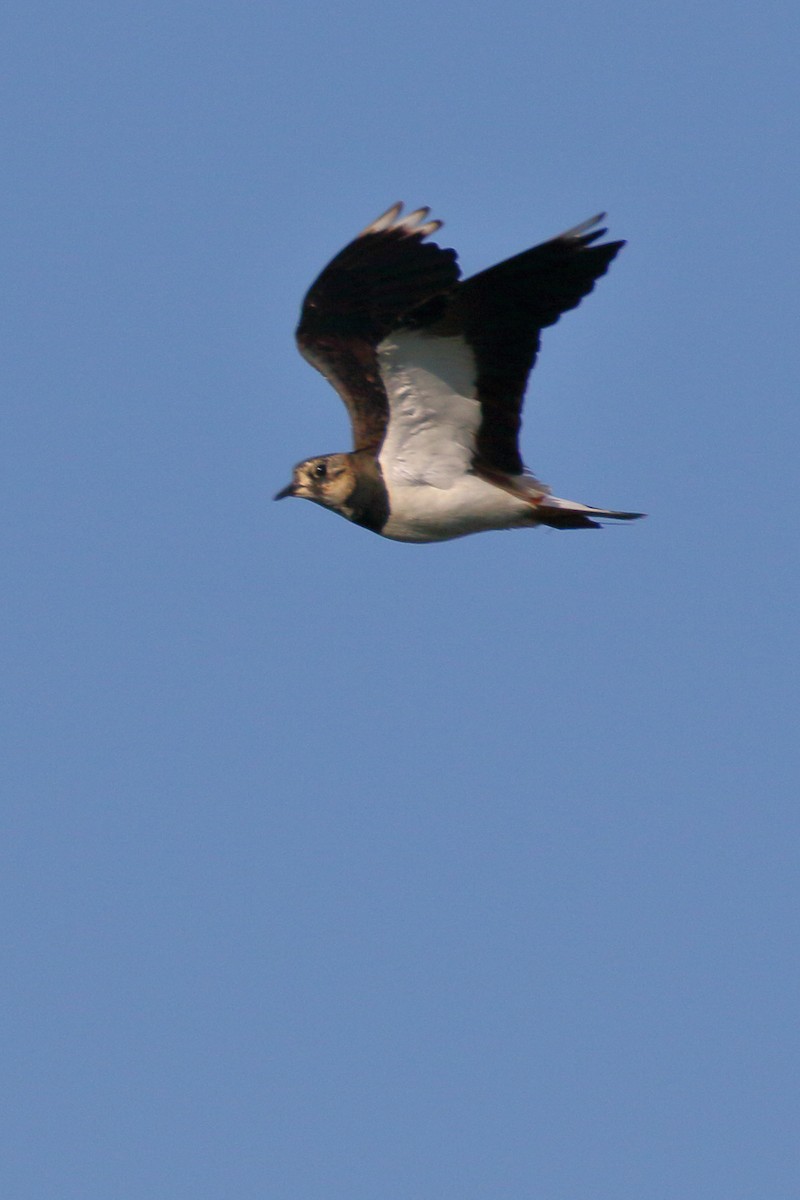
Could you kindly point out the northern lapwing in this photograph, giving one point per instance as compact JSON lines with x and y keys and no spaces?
{"x":433,"y":371}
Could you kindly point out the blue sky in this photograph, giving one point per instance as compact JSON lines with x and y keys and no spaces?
{"x":341,"y":868}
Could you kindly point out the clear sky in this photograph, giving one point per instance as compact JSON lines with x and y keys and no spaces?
{"x":346,"y":870}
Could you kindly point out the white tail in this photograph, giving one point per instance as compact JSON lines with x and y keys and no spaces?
{"x":569,"y":514}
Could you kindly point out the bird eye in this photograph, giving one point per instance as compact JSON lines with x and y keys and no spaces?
{"x":320,"y":470}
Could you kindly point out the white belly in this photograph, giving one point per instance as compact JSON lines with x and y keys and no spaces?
{"x":423,"y":513}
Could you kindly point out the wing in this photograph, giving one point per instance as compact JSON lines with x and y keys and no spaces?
{"x":435,"y":413}
{"x":502,"y":312}
{"x":362,"y":294}
{"x":456,"y":372}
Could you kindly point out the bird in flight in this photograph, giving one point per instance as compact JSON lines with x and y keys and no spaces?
{"x":432,"y":370}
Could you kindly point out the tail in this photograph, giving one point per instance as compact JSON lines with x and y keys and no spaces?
{"x":568,"y":514}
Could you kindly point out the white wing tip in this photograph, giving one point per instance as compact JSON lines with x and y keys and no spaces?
{"x":585,"y":227}
{"x":413,"y":224}
{"x":385,"y":220}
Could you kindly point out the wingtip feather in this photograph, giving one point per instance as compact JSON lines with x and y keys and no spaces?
{"x":413,"y":224}
{"x":385,"y":220}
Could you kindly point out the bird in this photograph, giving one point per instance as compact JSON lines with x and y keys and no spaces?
{"x":433,"y":370}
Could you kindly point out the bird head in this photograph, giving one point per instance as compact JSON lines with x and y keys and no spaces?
{"x":328,"y":480}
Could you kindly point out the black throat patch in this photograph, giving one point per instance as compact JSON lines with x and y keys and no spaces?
{"x":368,"y":503}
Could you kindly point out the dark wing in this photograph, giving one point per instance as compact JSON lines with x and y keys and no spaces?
{"x":362,"y":294}
{"x":500,"y":313}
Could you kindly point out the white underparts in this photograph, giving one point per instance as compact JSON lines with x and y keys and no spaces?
{"x":427,"y":454}
{"x":434,"y":413}
{"x":425,"y":513}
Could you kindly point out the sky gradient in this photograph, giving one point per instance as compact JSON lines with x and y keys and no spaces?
{"x":343,"y":869}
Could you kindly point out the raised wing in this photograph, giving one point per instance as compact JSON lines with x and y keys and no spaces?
{"x":455,"y":372}
{"x":363,"y":293}
{"x":501,"y":313}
